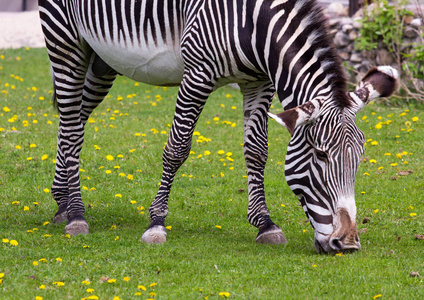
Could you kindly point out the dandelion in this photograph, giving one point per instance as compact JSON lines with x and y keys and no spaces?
{"x":108,"y":171}
{"x":377,"y":296}
{"x":373,"y":161}
{"x":218,"y":226}
{"x":118,"y":196}
{"x":38,"y":298}
{"x":111,"y":280}
{"x":141,"y":287}
{"x":35,"y":263}
{"x":224,"y":294}
{"x":378,"y":126}
{"x":411,"y":214}
{"x":220,"y":152}
{"x":26,"y":208}
{"x":46,"y":191}
{"x":14,"y":243}
{"x":59,"y":259}
{"x":153,"y":284}
{"x":374,"y":143}
{"x":375,"y":211}
{"x":109,"y":157}
{"x":45,"y":223}
{"x":86,"y":282}
{"x":168,"y":227}
{"x":42,"y":287}
{"x":415,"y":119}
{"x":33,"y":145}
{"x":127,"y":279}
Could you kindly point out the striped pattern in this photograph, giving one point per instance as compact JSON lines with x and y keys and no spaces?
{"x":265,"y":46}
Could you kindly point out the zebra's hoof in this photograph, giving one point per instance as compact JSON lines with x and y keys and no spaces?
{"x":60,"y":217}
{"x":77,"y":226}
{"x":154,"y":235}
{"x":272,"y":235}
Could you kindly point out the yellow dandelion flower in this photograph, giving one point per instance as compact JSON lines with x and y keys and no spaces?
{"x":111,"y":280}
{"x":374,"y":143}
{"x":5,"y":241}
{"x":168,"y":227}
{"x":42,"y":287}
{"x":377,"y":296}
{"x":86,"y":282}
{"x":153,"y":284}
{"x":378,"y":126}
{"x":224,"y":294}
{"x":411,"y":214}
{"x":45,"y":223}
{"x":373,"y":161}
{"x":26,"y":208}
{"x":118,"y":196}
{"x":33,"y":145}
{"x":35,"y":263}
{"x":14,"y":243}
{"x":127,"y":279}
{"x":109,"y":157}
{"x":415,"y":119}
{"x":141,"y":287}
{"x":108,"y":171}
{"x":59,"y":259}
{"x":218,"y":226}
{"x":38,"y":298}
{"x":375,"y":211}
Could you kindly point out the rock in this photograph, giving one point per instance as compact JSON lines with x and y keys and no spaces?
{"x":411,"y":32}
{"x":337,"y":9}
{"x":356,"y":58}
{"x":341,"y":40}
{"x":384,"y":58}
{"x":344,"y":55}
{"x":353,"y":35}
{"x":347,"y":28}
{"x":408,"y":19}
{"x":416,"y":23}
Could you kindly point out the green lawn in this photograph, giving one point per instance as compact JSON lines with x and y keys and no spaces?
{"x":211,"y":250}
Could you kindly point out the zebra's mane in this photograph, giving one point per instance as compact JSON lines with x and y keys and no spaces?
{"x":311,"y":18}
{"x":330,"y":58}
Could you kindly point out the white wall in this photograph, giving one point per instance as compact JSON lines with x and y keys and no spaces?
{"x":17,"y":5}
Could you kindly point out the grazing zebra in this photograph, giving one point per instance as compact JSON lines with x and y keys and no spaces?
{"x":267,"y":47}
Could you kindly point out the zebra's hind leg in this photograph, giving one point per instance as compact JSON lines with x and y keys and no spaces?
{"x":191,"y":99}
{"x":256,"y":102}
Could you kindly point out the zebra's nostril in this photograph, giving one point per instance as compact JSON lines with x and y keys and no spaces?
{"x":335,"y":244}
{"x":340,"y":244}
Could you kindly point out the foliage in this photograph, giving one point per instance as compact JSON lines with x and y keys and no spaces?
{"x":383,"y":25}
{"x":211,"y":250}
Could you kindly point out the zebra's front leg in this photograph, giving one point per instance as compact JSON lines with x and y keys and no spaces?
{"x":256,"y":102}
{"x":191,"y":99}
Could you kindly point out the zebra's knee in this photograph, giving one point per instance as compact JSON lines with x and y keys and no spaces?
{"x":175,"y":156}
{"x":255,"y":157}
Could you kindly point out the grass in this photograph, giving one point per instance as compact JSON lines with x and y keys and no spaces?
{"x":211,"y":247}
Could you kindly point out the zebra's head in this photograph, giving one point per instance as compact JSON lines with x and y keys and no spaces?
{"x":323,"y":158}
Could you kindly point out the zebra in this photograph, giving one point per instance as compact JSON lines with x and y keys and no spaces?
{"x":267,"y":47}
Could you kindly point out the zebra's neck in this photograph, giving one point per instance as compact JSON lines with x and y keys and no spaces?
{"x":298,"y":55}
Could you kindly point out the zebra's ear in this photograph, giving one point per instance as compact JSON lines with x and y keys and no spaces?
{"x":300,"y":115}
{"x":378,"y":82}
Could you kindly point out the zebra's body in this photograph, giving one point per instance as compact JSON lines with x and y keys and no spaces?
{"x":265,"y":46}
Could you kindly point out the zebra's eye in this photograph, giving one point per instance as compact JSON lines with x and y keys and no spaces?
{"x":321,"y":155}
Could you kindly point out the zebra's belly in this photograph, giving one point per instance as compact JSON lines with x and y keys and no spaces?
{"x":157,"y":66}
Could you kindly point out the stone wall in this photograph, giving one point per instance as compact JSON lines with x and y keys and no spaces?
{"x":345,"y":31}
